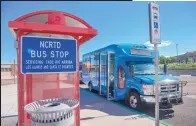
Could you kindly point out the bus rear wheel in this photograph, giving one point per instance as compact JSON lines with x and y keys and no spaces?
{"x":134,"y":100}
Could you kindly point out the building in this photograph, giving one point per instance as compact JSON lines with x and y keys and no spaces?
{"x":8,"y":71}
{"x":183,"y":57}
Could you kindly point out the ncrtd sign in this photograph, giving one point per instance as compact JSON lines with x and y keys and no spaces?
{"x":48,"y":55}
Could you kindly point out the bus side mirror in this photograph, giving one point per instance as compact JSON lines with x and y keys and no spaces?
{"x":131,"y":71}
{"x":132,"y":74}
{"x":165,"y":69}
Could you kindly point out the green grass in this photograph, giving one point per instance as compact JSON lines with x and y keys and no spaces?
{"x":179,"y":66}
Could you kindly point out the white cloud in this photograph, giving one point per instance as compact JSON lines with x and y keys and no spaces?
{"x":163,"y":43}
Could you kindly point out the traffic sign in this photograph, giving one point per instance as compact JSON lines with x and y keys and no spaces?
{"x":48,"y":55}
{"x":154,"y":21}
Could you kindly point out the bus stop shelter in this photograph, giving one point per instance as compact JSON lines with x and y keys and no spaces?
{"x":32,"y":87}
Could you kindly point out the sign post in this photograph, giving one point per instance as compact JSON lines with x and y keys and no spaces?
{"x":154,"y":26}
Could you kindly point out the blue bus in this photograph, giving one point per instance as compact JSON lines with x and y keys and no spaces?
{"x":126,"y":72}
{"x":80,"y":69}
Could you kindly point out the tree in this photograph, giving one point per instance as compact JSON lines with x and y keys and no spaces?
{"x":189,"y":60}
{"x":162,"y":59}
{"x":173,"y":59}
{"x":183,"y":61}
{"x":168,"y":60}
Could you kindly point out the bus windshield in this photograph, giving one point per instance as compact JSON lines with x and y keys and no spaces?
{"x":145,"y":69}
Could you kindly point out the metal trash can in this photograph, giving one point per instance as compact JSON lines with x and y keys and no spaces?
{"x":52,"y":112}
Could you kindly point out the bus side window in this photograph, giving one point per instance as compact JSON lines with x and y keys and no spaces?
{"x":121,"y":77}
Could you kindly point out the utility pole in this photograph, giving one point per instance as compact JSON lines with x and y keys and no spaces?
{"x":177,"y":53}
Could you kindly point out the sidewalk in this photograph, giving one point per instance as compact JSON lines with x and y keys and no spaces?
{"x":9,"y":105}
{"x":9,"y":102}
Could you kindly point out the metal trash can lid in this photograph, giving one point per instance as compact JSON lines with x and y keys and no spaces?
{"x":53,"y":107}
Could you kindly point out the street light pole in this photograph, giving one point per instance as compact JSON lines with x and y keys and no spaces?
{"x":177,"y":52}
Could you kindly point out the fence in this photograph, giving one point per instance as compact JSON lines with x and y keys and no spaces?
{"x":177,"y":72}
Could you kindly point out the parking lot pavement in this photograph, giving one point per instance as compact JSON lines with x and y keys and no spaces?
{"x":9,"y":103}
{"x":190,"y":89}
{"x":9,"y":121}
{"x":180,"y":115}
{"x":190,"y":79}
{"x":185,"y":114}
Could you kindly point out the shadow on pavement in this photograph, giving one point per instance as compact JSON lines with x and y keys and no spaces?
{"x":92,"y":102}
{"x":163,"y":114}
{"x":101,"y":104}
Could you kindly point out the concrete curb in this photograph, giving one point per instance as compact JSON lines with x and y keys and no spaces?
{"x":182,"y":75}
{"x":132,"y":110}
{"x":8,"y":116}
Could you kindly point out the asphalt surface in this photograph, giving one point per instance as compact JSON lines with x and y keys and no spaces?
{"x":182,"y":114}
{"x":185,"y":114}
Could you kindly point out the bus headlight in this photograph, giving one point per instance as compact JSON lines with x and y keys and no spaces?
{"x":148,"y":89}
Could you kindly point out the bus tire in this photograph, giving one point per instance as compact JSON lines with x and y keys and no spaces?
{"x":134,"y":100}
{"x":90,"y":87}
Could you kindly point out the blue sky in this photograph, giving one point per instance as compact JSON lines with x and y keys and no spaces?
{"x":116,"y":22}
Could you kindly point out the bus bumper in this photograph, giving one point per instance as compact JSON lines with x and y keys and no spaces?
{"x":175,"y":98}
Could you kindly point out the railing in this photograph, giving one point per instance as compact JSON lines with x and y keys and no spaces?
{"x":171,"y":90}
{"x":183,"y":83}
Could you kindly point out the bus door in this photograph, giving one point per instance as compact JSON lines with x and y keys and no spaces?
{"x":102,"y":73}
{"x":110,"y":75}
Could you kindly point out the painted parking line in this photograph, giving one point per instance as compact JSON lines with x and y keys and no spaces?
{"x":132,"y":110}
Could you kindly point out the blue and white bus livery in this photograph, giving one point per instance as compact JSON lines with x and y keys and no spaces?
{"x":126,"y":72}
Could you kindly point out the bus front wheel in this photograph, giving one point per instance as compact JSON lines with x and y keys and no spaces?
{"x":134,"y":100}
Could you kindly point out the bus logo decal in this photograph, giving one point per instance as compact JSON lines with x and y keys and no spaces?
{"x":111,"y":77}
{"x":92,"y":75}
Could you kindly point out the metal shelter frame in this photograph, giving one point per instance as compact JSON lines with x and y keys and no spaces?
{"x":47,"y":23}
